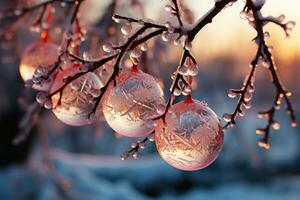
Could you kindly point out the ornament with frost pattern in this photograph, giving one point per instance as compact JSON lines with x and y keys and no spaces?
{"x":191,"y":138}
{"x":130,"y":106}
{"x":36,"y":60}
{"x":77,"y":101}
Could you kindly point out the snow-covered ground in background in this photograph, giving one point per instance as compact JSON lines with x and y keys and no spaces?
{"x":108,"y":178}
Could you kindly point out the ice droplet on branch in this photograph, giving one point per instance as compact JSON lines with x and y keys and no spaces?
{"x":126,"y":28}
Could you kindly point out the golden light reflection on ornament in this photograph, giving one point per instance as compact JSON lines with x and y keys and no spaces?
{"x":38,"y":55}
{"x":192,"y":136}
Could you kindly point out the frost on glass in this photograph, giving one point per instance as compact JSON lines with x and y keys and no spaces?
{"x":75,"y":106}
{"x":192,"y":136}
{"x":130,"y":106}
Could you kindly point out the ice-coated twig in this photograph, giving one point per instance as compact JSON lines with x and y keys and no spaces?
{"x":253,"y":13}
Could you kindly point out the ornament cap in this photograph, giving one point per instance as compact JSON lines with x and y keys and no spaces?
{"x":135,"y":68}
{"x":189,"y":99}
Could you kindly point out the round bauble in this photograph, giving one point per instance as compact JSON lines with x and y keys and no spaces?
{"x":130,"y":106}
{"x":191,"y":137}
{"x":37,"y":59}
{"x":77,"y":101}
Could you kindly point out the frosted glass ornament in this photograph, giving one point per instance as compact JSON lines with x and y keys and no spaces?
{"x":191,"y":138}
{"x":130,"y":106}
{"x":78,"y":98}
{"x":40,"y":55}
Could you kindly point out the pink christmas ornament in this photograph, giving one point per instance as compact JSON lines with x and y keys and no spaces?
{"x":130,"y":106}
{"x":191,"y":138}
{"x":36,"y":60}
{"x":77,"y":100}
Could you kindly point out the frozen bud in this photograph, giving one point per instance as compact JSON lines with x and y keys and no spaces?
{"x":107,"y":47}
{"x":251,"y":89}
{"x":288,"y":94}
{"x":176,"y":42}
{"x":168,"y":8}
{"x":276,"y":125}
{"x":266,"y":35}
{"x":190,"y":62}
{"x":231,"y":124}
{"x":136,"y":53}
{"x":263,"y":144}
{"x":187,"y":88}
{"x":173,"y":76}
{"x":260,"y":131}
{"x":86,"y":55}
{"x":192,"y":70}
{"x":185,"y":93}
{"x":142,"y":145}
{"x":48,"y":104}
{"x":144,"y":47}
{"x":134,"y":145}
{"x":177,"y":92}
{"x":227,"y":117}
{"x":188,"y":45}
{"x":248,"y":96}
{"x":241,"y":113}
{"x":243,"y":14}
{"x":294,"y":123}
{"x":18,"y":12}
{"x":281,"y":18}
{"x":169,"y":26}
{"x":124,"y":156}
{"x":115,"y":19}
{"x":231,"y":94}
{"x":126,"y":28}
{"x":281,"y":95}
{"x":247,"y":105}
{"x":182,"y":70}
{"x":290,"y":25}
{"x":265,"y":64}
{"x":135,"y":155}
{"x":95,"y":93}
{"x":165,"y":36}
{"x":160,"y":109}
